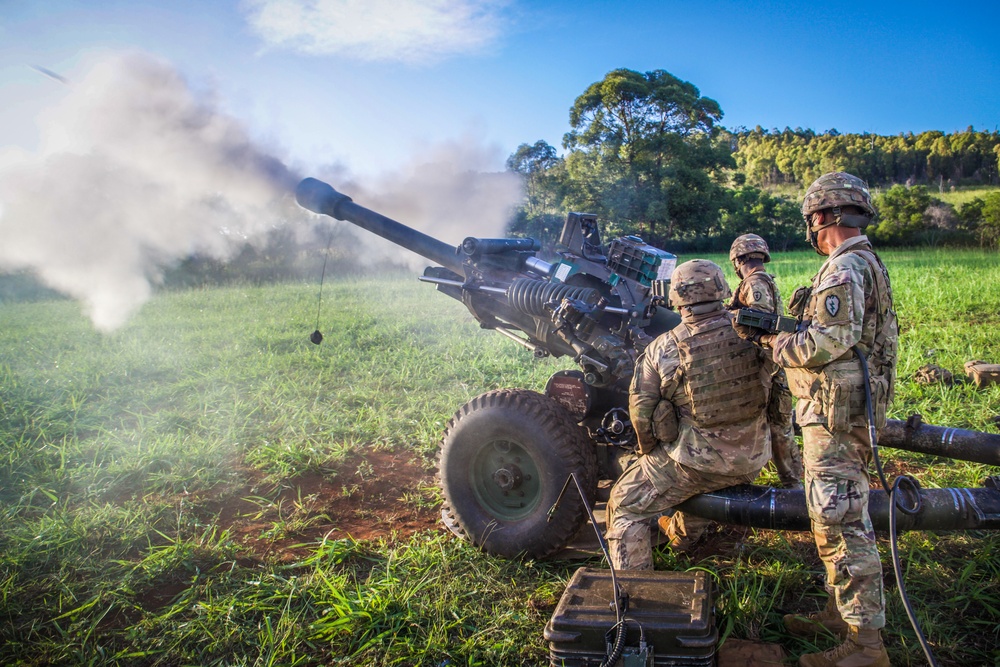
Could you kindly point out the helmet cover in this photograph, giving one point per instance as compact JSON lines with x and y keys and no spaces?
{"x":698,"y":281}
{"x":835,"y":190}
{"x":747,"y":244}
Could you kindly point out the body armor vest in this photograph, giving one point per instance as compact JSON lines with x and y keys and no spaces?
{"x":882,"y":356}
{"x":721,"y":372}
{"x":883,"y":353}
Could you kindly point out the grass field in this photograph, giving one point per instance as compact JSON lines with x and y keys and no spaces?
{"x":961,"y":195}
{"x":205,"y":487}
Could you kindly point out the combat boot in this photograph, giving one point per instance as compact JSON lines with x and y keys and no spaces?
{"x":814,"y":624}
{"x":680,"y":544}
{"x":862,"y":648}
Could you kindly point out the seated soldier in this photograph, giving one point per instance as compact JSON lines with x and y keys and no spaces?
{"x":697,"y":404}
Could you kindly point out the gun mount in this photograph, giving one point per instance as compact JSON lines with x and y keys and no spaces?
{"x":506,"y":454}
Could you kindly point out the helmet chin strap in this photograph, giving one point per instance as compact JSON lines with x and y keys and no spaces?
{"x":853,"y":220}
{"x":812,"y":235}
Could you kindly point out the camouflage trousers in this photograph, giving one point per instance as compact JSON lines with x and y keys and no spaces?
{"x":785,"y":452}
{"x":836,"y":486}
{"x":635,"y":502}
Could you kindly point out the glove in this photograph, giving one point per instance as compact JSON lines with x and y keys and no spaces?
{"x":752,"y":334}
{"x":798,"y":302}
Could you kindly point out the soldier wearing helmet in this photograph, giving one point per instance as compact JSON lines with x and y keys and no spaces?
{"x":849,"y":306}
{"x":697,"y":404}
{"x":758,"y":290}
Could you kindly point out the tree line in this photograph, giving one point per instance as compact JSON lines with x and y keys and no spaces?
{"x":933,"y":158}
{"x":646,"y":152}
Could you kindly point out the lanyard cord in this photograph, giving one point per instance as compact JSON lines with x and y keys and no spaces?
{"x":895,"y":493}
{"x":316,"y":337}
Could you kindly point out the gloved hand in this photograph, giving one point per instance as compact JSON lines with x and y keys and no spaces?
{"x":798,"y":301}
{"x":752,"y":334}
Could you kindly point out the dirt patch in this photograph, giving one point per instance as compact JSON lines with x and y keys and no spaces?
{"x":373,"y":494}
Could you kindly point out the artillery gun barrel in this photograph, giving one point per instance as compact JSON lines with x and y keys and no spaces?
{"x":321,"y":198}
{"x":953,"y":443}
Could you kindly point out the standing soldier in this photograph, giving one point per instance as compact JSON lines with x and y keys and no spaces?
{"x":757,"y":290}
{"x":848,"y":308}
{"x":697,"y":404}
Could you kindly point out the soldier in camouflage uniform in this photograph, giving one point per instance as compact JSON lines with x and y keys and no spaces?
{"x":758,"y":290}
{"x":697,"y":404}
{"x":849,"y":304}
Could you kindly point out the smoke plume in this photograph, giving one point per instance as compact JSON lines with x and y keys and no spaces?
{"x":447,"y":191}
{"x":136,"y":171}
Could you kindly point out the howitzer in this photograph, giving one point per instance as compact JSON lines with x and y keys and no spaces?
{"x":599,"y":310}
{"x":505,"y":455}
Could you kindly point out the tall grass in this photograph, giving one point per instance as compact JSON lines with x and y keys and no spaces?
{"x":116,"y":450}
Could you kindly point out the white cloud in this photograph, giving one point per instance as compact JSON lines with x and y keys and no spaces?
{"x":412,"y":31}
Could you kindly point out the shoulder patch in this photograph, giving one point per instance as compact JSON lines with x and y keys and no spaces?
{"x":832,"y":304}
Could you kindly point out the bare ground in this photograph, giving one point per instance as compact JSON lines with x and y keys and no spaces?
{"x":373,"y":494}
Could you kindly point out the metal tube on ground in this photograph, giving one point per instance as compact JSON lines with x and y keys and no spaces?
{"x":785,"y":509}
{"x":954,"y":443}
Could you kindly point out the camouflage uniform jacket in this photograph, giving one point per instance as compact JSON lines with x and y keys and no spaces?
{"x":759,"y":291}
{"x":658,"y":390}
{"x":849,"y":305}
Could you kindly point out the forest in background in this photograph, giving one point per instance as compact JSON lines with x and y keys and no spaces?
{"x":648,"y":154}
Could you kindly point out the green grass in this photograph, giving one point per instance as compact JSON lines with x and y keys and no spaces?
{"x":117,"y":450}
{"x":961,"y":195}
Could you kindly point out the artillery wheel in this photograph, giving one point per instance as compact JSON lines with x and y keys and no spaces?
{"x":503,"y":461}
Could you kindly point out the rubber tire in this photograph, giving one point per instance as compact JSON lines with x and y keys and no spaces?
{"x":549,"y":443}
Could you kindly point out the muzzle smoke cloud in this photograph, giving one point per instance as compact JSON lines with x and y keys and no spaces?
{"x":136,"y":171}
{"x":446,"y":190}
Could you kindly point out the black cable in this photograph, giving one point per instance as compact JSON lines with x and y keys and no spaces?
{"x":620,"y":621}
{"x":895,"y":500}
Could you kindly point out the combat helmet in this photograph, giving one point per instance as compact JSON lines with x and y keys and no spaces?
{"x":834,"y":191}
{"x":698,"y":281}
{"x":748,"y":244}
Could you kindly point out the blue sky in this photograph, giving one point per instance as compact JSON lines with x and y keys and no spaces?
{"x":368,"y":84}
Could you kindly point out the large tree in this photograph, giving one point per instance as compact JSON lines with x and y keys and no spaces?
{"x":645,"y":151}
{"x":542,"y":172}
{"x":535,"y":162}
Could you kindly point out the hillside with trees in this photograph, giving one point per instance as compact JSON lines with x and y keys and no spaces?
{"x":929,"y":158}
{"x":647,"y":153}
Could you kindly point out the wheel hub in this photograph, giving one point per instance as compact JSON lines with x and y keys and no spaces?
{"x":508,"y":478}
{"x":505,"y":479}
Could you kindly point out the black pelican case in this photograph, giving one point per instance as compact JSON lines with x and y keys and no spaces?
{"x":671,"y":620}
